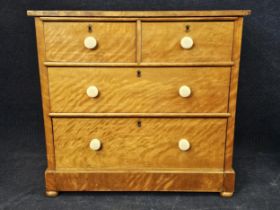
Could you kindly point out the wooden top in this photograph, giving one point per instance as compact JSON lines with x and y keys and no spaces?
{"x":88,"y":13}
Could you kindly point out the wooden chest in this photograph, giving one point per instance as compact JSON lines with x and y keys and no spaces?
{"x":139,"y":101}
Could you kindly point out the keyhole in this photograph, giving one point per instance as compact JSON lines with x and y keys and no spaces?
{"x":139,"y":123}
{"x":89,"y":28}
{"x":187,"y":27}
{"x":138,"y":73}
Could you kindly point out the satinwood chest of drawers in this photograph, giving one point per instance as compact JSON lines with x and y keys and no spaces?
{"x":139,"y":101}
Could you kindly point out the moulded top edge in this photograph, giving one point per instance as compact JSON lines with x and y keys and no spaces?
{"x":89,"y":13}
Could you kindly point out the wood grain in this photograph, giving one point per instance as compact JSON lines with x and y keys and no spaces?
{"x":148,"y":115}
{"x":161,"y":41}
{"x":65,"y":41}
{"x":230,"y":179}
{"x":154,"y":145}
{"x":119,"y":19}
{"x":209,"y":181}
{"x":139,"y":41}
{"x":187,"y":64}
{"x":155,"y":91}
{"x":50,"y":180}
{"x":45,"y":93}
{"x":194,"y":13}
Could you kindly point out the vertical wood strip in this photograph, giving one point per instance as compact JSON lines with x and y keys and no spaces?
{"x":229,"y":181}
{"x":232,"y":103}
{"x":45,"y":93}
{"x":50,"y":180}
{"x":139,"y":42}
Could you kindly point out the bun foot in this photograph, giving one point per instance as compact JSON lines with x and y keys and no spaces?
{"x":51,"y":194}
{"x":226,"y":194}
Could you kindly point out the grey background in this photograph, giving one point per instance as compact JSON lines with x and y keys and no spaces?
{"x":257,"y":142}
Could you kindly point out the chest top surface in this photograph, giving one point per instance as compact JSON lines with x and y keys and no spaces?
{"x":89,"y":13}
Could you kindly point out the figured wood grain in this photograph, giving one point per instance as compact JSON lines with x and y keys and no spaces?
{"x":139,"y":42}
{"x":156,"y":91}
{"x":50,"y":180}
{"x":137,"y":18}
{"x":209,"y":181}
{"x":187,"y":64}
{"x":149,"y":115}
{"x":65,"y":41}
{"x":233,"y":93}
{"x":126,"y":145}
{"x":230,"y":179}
{"x":194,"y":13}
{"x":161,"y":41}
{"x":45,"y":93}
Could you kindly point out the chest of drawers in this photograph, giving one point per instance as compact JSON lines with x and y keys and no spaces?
{"x":139,"y":101}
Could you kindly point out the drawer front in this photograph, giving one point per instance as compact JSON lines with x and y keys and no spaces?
{"x":115,"y":41}
{"x":125,"y":145}
{"x":212,"y":41}
{"x":146,"y":90}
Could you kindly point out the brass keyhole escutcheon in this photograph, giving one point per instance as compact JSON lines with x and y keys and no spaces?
{"x":89,"y":28}
{"x":187,"y":28}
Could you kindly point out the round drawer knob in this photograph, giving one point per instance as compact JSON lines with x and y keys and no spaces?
{"x":186,"y":42}
{"x":95,"y":144}
{"x":185,"y":91}
{"x":184,"y":145}
{"x":92,"y":91}
{"x":90,"y":42}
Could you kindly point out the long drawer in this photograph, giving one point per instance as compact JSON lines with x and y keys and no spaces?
{"x":124,"y":143}
{"x":144,"y":90}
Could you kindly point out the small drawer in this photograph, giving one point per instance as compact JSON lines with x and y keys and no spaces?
{"x":148,"y":143}
{"x":146,"y":90}
{"x":182,"y":42}
{"x":93,"y":42}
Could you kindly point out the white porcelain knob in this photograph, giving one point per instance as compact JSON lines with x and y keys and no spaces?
{"x":92,"y":91}
{"x":185,"y":91}
{"x":90,"y":42}
{"x":184,"y":145}
{"x":95,"y":144}
{"x":186,"y":42}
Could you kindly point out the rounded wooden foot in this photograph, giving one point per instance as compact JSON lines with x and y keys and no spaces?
{"x":51,"y":194}
{"x":226,"y":194}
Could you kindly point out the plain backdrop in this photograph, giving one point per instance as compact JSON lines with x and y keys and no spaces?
{"x":257,"y":141}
